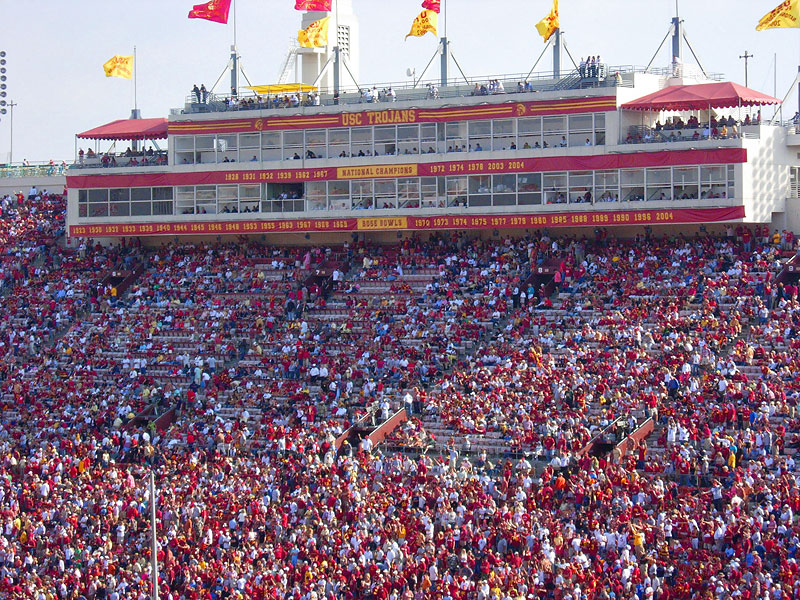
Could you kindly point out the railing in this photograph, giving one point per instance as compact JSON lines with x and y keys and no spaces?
{"x":33,"y":170}
{"x":611,"y":436}
{"x":637,"y":435}
{"x":792,"y":128}
{"x":638,"y":134}
{"x":152,"y":159}
{"x":427,"y":89}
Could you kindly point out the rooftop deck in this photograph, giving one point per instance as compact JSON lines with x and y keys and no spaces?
{"x":518,"y":83}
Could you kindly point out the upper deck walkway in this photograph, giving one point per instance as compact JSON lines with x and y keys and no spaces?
{"x":602,"y":76}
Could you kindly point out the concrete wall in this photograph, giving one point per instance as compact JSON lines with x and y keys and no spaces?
{"x":646,"y":429}
{"x":766,"y":175}
{"x":791,"y":218}
{"x":382,"y":432}
{"x":11,"y":185}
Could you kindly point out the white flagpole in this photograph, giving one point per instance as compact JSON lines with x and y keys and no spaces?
{"x":135,"y":91}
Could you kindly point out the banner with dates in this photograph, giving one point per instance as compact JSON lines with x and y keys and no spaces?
{"x":424,"y":169}
{"x":396,"y":117}
{"x":563,"y":219}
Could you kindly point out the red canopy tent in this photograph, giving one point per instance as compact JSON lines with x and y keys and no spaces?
{"x":128,"y":129}
{"x":701,"y":97}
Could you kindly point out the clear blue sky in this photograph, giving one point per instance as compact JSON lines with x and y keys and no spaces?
{"x":56,"y":50}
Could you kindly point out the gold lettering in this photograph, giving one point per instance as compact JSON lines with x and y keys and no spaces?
{"x":351,"y":119}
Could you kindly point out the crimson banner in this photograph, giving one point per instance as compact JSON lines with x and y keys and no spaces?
{"x":425,"y":169}
{"x":324,"y":5}
{"x":389,"y":223}
{"x":391,"y":117}
{"x":215,"y":10}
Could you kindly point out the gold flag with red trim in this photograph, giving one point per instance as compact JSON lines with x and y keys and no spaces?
{"x":315,"y":35}
{"x":785,"y":15}
{"x":119,"y":66}
{"x":426,"y":21}
{"x":547,"y":26}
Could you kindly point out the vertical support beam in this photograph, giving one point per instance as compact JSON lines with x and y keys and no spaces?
{"x":234,"y":72}
{"x":445,"y":61}
{"x":677,"y":39}
{"x":557,"y":55}
{"x":337,"y":71}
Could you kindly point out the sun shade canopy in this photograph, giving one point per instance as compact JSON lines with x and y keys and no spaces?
{"x":283,"y":88}
{"x":128,"y":129}
{"x":701,"y":97}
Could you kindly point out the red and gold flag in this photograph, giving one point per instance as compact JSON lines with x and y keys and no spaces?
{"x":426,"y":21}
{"x":547,"y":26}
{"x":786,"y":14}
{"x":324,"y":5}
{"x":434,"y":5}
{"x":315,"y":35}
{"x":215,"y":10}
{"x":119,"y":66}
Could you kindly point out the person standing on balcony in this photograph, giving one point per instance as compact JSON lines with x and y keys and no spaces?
{"x":203,"y":92}
{"x":196,"y":92}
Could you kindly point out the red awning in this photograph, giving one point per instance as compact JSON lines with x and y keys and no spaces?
{"x":128,"y":129}
{"x":700,"y":97}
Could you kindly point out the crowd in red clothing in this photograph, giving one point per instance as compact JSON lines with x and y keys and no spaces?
{"x":269,"y":354}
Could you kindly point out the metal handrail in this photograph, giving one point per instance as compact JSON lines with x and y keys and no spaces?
{"x":455,"y":88}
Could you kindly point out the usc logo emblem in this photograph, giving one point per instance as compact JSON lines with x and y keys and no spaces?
{"x":520,"y":110}
{"x":258,"y":125}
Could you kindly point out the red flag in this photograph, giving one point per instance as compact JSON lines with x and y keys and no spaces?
{"x":324,"y":5}
{"x":434,"y":5}
{"x":215,"y":10}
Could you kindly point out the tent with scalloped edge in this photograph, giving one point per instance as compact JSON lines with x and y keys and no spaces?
{"x":701,"y":97}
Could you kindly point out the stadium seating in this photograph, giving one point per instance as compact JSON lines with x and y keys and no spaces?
{"x":627,"y":431}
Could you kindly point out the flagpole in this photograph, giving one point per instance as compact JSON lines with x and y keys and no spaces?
{"x":135,"y":81}
{"x":445,"y":65}
{"x":234,"y":59}
{"x":337,"y":56}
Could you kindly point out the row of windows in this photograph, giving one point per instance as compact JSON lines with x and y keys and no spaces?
{"x":392,"y":140}
{"x":510,"y":189}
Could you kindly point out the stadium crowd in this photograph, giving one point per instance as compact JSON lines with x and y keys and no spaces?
{"x":233,"y":370}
